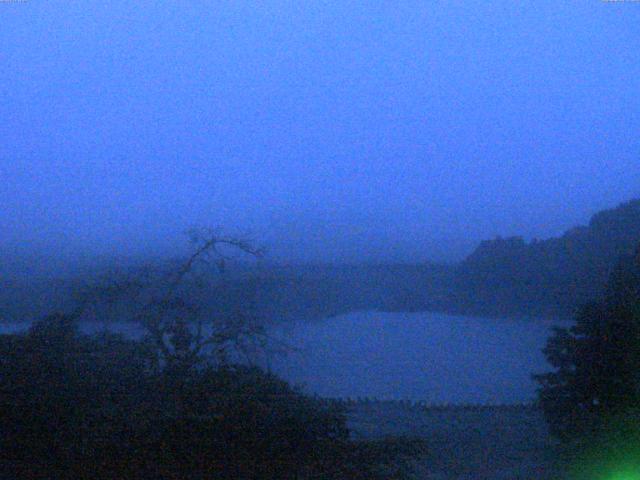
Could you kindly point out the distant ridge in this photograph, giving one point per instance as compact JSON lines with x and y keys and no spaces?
{"x":511,"y":277}
{"x":503,"y":277}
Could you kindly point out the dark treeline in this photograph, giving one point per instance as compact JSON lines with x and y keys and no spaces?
{"x":276,"y":292}
{"x":98,"y":407}
{"x":592,"y":398}
{"x":503,"y":277}
{"x":508,"y":276}
{"x":179,"y":404}
{"x":183,"y":402}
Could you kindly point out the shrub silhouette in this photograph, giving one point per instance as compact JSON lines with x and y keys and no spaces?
{"x":79,"y":406}
{"x":592,"y":399}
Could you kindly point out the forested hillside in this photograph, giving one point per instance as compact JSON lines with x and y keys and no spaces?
{"x":502,"y":277}
{"x":508,"y":276}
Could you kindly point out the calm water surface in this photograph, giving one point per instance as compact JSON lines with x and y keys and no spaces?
{"x":420,"y":356}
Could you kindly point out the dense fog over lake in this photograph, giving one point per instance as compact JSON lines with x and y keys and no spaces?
{"x":336,"y":132}
{"x":221,"y":222}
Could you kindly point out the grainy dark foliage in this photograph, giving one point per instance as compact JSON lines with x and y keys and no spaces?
{"x":74,"y":406}
{"x":593,"y":395}
{"x":546,"y":278}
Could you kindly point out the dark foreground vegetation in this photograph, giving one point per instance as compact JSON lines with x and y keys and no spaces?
{"x":74,"y":406}
{"x":469,"y":442}
{"x":592,"y":399}
{"x":183,"y":403}
{"x":546,"y":278}
{"x":186,"y":403}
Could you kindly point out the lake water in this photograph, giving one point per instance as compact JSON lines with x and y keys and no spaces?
{"x":420,"y":356}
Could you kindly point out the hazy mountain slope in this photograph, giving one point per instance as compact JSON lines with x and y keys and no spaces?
{"x":508,"y":276}
{"x":502,"y":277}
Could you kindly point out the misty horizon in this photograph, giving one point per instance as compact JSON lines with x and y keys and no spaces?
{"x":299,"y":240}
{"x":342,"y":133}
{"x":24,"y":260}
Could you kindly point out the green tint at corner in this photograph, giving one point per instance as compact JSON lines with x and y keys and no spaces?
{"x":612,"y":454}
